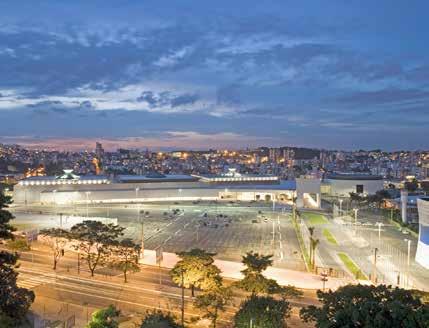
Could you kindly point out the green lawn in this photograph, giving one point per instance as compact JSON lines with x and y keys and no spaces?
{"x":315,"y":218}
{"x":329,"y":237}
{"x":352,"y":267}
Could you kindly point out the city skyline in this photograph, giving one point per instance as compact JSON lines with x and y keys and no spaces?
{"x":193,"y":75}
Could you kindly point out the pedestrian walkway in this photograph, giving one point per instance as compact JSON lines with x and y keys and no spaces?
{"x":30,"y":281}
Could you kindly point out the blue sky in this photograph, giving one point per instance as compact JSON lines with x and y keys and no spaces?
{"x":228,"y":74}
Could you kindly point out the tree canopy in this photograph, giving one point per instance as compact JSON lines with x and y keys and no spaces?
{"x":14,"y":301}
{"x":255,"y":282}
{"x":95,"y":241}
{"x":198,"y":270}
{"x":158,"y":319}
{"x":262,"y":312}
{"x":357,"y":306}
{"x":212,"y":302}
{"x":125,"y":257}
{"x":104,"y":318}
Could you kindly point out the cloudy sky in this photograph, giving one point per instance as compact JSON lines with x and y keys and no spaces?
{"x":198,"y":74}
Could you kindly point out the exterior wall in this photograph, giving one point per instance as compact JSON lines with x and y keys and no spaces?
{"x":345,"y":187}
{"x":308,"y":193}
{"x":126,"y":192}
{"x":422,"y":254}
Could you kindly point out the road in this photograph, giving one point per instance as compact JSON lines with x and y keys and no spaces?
{"x":62,"y":293}
{"x":360,"y":240}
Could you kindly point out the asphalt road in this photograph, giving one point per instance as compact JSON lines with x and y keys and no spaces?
{"x":63,"y":293}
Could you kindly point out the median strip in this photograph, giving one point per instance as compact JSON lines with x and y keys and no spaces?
{"x":352,"y":266}
{"x":329,"y":237}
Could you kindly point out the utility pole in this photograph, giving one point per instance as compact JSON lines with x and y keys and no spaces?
{"x":78,"y":262}
{"x":183,"y":300}
{"x":374,"y":270}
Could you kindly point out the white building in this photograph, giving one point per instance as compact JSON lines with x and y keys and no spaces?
{"x":342,"y":184}
{"x":422,"y":254}
{"x":73,"y":189}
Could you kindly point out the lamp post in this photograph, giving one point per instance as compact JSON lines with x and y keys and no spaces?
{"x":374,"y":273}
{"x":408,"y":241}
{"x":341,"y":206}
{"x":356,"y":213}
{"x":408,"y":251}
{"x":379,"y":225}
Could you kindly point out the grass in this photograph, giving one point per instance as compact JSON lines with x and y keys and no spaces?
{"x":329,"y":237}
{"x":352,"y":267}
{"x":24,"y":226}
{"x":315,"y":218}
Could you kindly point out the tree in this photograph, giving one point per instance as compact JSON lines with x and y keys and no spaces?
{"x":104,"y":318}
{"x":367,"y":306}
{"x":425,"y":186}
{"x":158,"y":319}
{"x":198,"y":270}
{"x":256,"y":263}
{"x":254,"y":281}
{"x":411,"y":185}
{"x":125,"y":257}
{"x":18,"y":245}
{"x":95,"y":240}
{"x":57,"y":239}
{"x":14,"y":301}
{"x":212,"y":302}
{"x":262,"y":312}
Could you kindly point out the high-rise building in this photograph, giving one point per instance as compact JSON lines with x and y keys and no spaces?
{"x":99,"y":151}
{"x":273,"y":154}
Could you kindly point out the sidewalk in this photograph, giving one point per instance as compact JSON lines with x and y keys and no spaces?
{"x":232,"y":270}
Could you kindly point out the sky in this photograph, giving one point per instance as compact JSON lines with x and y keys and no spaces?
{"x":164,"y":74}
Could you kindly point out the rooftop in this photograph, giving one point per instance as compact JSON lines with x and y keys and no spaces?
{"x":353,"y":176}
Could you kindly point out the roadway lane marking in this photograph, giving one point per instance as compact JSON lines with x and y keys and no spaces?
{"x":177,"y":231}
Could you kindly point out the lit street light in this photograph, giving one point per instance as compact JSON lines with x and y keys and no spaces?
{"x":408,"y":241}
{"x":379,"y":225}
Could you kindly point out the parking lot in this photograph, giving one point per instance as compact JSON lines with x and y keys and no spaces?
{"x":230,"y":230}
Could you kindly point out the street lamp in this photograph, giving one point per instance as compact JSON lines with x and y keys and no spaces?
{"x":341,"y":205}
{"x":356,"y":212}
{"x":408,"y":251}
{"x":379,"y":225}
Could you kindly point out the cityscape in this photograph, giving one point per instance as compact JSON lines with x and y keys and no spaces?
{"x":232,"y":165}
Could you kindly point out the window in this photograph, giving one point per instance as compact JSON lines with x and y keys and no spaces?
{"x":359,"y":189}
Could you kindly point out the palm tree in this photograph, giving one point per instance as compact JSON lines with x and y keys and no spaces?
{"x":311,"y":230}
{"x":314,"y":243}
{"x":256,"y":263}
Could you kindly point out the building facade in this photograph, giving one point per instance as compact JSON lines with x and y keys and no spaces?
{"x":342,"y":184}
{"x":422,"y":254}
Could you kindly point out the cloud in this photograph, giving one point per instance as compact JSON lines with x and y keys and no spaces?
{"x":114,"y":71}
